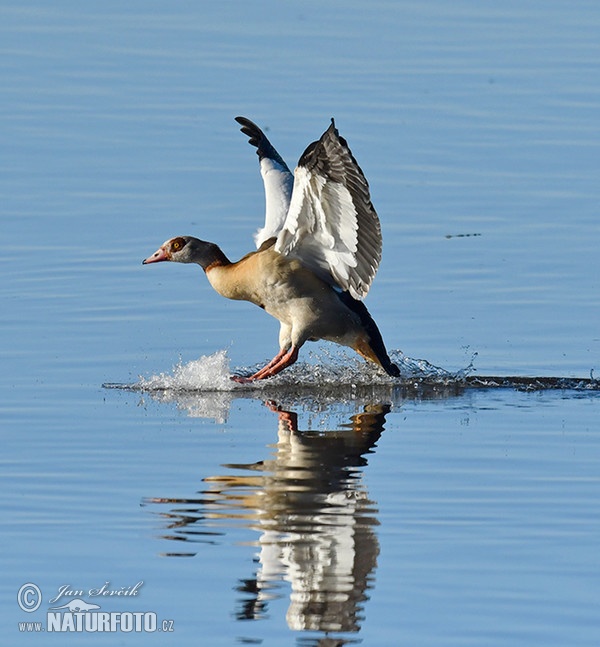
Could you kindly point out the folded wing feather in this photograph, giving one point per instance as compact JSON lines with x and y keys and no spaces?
{"x":331,"y":224}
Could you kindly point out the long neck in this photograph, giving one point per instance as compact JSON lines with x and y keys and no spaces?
{"x":208,"y":255}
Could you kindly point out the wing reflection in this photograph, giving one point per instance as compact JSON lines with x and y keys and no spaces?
{"x":314,"y":515}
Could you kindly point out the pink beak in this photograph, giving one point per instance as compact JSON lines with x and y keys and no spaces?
{"x":159,"y":255}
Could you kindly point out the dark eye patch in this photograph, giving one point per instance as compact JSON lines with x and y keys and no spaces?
{"x":178,"y":244}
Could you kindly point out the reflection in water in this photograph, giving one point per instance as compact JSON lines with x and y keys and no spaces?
{"x":314,"y":516}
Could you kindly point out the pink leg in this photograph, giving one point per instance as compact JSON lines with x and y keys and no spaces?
{"x":283,"y":359}
{"x":244,"y":380}
{"x":274,"y":361}
{"x":280,"y":361}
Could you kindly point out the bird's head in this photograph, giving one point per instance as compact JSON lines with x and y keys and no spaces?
{"x":187,"y":249}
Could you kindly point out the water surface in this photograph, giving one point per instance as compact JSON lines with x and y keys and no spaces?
{"x":337,"y":514}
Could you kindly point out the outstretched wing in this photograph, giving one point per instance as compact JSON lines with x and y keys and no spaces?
{"x":277,"y":178}
{"x":331,"y":225}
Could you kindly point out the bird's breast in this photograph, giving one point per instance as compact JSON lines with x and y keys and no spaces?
{"x":291,"y":293}
{"x":268,"y":279}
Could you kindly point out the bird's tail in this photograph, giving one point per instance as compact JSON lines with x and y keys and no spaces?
{"x":371,"y":345}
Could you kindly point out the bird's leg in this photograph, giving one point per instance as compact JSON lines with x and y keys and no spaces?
{"x":245,"y":379}
{"x":283,"y":359}
{"x":274,"y":361}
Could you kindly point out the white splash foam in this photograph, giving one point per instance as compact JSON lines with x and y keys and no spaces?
{"x":209,"y":373}
{"x":326,"y":367}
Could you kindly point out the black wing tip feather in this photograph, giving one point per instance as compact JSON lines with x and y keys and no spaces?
{"x":317,"y":154}
{"x":305,"y":158}
{"x":258,"y":139}
{"x":251,"y":130}
{"x":264,"y":148}
{"x":332,"y":133}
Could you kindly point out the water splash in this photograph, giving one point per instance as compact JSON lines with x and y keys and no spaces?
{"x":325,"y":367}
{"x":209,"y":373}
{"x":332,"y":369}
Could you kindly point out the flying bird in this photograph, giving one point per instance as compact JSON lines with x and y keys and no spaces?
{"x":316,"y":256}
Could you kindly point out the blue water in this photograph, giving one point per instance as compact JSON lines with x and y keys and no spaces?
{"x":361,"y":512}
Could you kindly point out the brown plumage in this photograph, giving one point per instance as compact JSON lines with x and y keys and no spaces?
{"x":317,"y":255}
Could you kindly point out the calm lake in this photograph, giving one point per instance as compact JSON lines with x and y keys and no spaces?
{"x":326,"y":507}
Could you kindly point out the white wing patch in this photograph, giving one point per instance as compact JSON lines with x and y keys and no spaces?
{"x":278,"y":183}
{"x":321,"y":229}
{"x":322,"y":214}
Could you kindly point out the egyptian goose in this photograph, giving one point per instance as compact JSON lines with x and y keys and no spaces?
{"x":316,"y":256}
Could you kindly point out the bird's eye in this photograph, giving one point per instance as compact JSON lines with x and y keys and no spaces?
{"x":177,"y":244}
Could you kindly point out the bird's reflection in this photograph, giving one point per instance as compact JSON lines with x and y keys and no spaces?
{"x":315,"y":520}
